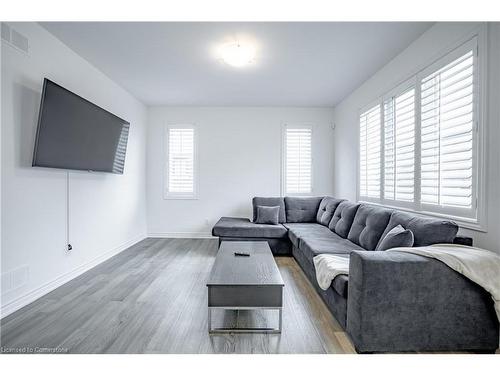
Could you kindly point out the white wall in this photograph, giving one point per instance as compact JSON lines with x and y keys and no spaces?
{"x":107,"y":212}
{"x":424,"y":50}
{"x":239,"y":157}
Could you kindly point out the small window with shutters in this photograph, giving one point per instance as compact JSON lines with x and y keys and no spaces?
{"x":180,"y":174}
{"x":297,"y":160}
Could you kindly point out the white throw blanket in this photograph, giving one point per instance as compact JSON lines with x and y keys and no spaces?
{"x":478,"y":265}
{"x":328,"y":267}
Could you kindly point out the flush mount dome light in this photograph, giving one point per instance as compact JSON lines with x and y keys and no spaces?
{"x":237,"y":54}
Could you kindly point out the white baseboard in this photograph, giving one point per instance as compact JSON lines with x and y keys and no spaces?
{"x":34,"y":294}
{"x":181,"y":235}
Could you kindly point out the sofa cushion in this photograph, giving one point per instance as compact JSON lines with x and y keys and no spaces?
{"x":243,"y":227}
{"x":301,"y":209}
{"x":326,"y":244}
{"x":343,"y":217}
{"x":426,"y":231}
{"x":326,"y":209}
{"x":268,"y":215}
{"x":298,"y":230}
{"x":396,"y":237}
{"x":269,"y":201}
{"x":368,"y":225}
{"x":340,"y":284}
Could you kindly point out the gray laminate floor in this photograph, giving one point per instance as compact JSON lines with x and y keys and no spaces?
{"x":152,"y":298}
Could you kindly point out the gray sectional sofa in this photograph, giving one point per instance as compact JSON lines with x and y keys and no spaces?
{"x":390,"y":302}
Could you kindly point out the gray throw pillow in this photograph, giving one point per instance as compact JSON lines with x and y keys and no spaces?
{"x":396,"y":237}
{"x":268,"y":215}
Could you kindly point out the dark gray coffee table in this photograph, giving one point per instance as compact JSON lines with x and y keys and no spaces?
{"x":245,"y":283}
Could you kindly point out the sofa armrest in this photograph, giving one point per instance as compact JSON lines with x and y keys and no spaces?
{"x":405,"y":302}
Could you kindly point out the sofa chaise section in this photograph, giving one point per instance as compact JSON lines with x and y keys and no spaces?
{"x":242,"y":229}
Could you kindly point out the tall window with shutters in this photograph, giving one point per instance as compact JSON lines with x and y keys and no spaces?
{"x":180,"y":181}
{"x":418,"y":148}
{"x":399,"y":146}
{"x":447,"y":135}
{"x":297,"y":160}
{"x":369,"y":153}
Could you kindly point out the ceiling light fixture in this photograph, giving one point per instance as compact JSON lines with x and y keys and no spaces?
{"x":238,"y":54}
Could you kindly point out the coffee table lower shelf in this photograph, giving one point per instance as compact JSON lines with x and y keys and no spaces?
{"x":244,"y":329}
{"x":238,"y":283}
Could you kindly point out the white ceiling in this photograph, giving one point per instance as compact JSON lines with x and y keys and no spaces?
{"x":297,"y":64}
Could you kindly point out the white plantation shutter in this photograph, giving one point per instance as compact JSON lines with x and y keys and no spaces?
{"x":426,"y":156}
{"x":180,"y":180}
{"x":298,"y":160}
{"x":370,"y":150}
{"x":399,"y":147}
{"x":447,"y":127}
{"x":389,"y":151}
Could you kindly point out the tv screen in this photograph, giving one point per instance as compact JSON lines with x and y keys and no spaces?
{"x":74,"y":133}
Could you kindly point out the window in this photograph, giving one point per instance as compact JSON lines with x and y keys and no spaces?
{"x":399,"y":146}
{"x":181,"y":161}
{"x":297,"y":164}
{"x":369,"y":157}
{"x":447,"y":134}
{"x":418,"y":148}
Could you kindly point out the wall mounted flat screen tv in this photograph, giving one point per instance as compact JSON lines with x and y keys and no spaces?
{"x":74,"y":133}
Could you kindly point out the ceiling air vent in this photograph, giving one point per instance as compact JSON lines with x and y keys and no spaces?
{"x":14,"y":38}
